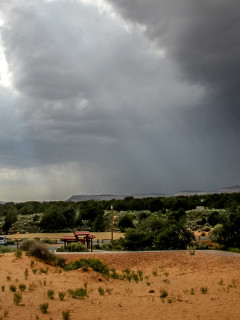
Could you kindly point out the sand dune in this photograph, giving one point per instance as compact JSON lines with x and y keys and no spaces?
{"x":179,"y":273}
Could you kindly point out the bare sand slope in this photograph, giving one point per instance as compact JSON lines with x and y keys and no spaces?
{"x":179,"y":273}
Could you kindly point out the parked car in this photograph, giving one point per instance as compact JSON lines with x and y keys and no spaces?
{"x":3,"y":241}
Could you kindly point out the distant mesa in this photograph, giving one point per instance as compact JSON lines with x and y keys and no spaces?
{"x":190,"y":193}
{"x":232,"y":189}
{"x":100,"y":197}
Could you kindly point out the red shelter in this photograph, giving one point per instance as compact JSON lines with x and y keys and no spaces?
{"x":79,"y":236}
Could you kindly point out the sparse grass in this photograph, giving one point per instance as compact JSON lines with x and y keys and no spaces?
{"x":41,"y":270}
{"x":34,"y":271}
{"x":148,"y":283}
{"x":233,"y":284}
{"x":204,"y":290}
{"x":22,"y":287}
{"x":61,"y":295}
{"x":109,"y":291}
{"x":221,"y":282}
{"x":26,"y":273}
{"x":8,"y":278}
{"x":3,"y":288}
{"x":101,"y":291}
{"x":166,"y":281}
{"x":44,"y":307}
{"x":140,"y":275}
{"x":32,"y":286}
{"x":17,"y":298}
{"x":66,"y":314}
{"x":154,"y":273}
{"x":50,"y":294}
{"x":192,"y":291}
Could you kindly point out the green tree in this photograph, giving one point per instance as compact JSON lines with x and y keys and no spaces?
{"x":10,"y":218}
{"x":99,"y":223}
{"x":125,"y":222}
{"x":52,"y":221}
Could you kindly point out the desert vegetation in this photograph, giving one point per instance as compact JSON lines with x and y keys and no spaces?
{"x":123,"y":285}
{"x":148,"y":224}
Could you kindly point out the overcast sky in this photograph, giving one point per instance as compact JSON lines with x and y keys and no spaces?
{"x":118,"y":96}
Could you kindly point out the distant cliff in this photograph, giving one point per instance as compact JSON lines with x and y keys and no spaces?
{"x":78,"y":198}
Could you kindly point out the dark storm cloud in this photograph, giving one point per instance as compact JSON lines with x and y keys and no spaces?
{"x":201,"y":36}
{"x":99,"y":107}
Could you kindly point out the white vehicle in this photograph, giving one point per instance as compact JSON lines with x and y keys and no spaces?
{"x":3,"y":241}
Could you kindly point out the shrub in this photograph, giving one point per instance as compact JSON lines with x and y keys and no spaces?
{"x":74,"y":247}
{"x":192,"y":250}
{"x":61,"y":295}
{"x":204,"y":290}
{"x":18,"y":253}
{"x":163,"y":293}
{"x":12,"y":288}
{"x":26,"y":273}
{"x":6,"y":249}
{"x":78,"y":293}
{"x":66,"y":314}
{"x":96,"y":264}
{"x":22,"y":287}
{"x":101,"y":291}
{"x":17,"y":298}
{"x":40,"y":250}
{"x":50,"y":294}
{"x":26,"y":244}
{"x":44,"y":307}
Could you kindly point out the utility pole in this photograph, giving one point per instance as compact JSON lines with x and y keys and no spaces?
{"x":112,"y":225}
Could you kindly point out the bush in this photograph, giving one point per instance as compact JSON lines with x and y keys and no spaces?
{"x":26,"y":244}
{"x":50,"y":294}
{"x":6,"y":249}
{"x":96,"y":264}
{"x":74,"y":247}
{"x":61,"y":295}
{"x":41,"y":251}
{"x":78,"y":293}
{"x":101,"y":291}
{"x":22,"y":287}
{"x":17,"y":298}
{"x":204,"y":290}
{"x":66,"y":314}
{"x":163,"y":293}
{"x":44,"y":307}
{"x":12,"y":288}
{"x":18,"y":253}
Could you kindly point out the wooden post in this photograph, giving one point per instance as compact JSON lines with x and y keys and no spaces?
{"x":112,"y":226}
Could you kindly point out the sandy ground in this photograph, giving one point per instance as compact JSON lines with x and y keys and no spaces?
{"x":182,"y":275}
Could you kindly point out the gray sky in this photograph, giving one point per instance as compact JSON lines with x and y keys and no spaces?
{"x":118,"y":96}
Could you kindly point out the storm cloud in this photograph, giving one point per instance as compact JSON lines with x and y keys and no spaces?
{"x":139,"y":96}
